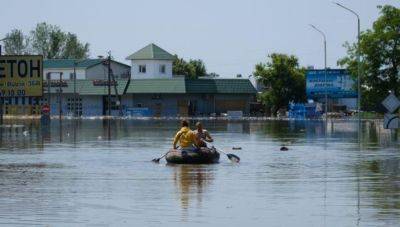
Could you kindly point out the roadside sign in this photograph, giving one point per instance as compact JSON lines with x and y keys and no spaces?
{"x":391,"y":103}
{"x":391,"y":121}
{"x":21,"y":75}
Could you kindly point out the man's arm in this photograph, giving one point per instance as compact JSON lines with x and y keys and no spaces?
{"x":208,"y":137}
{"x":176,"y":139}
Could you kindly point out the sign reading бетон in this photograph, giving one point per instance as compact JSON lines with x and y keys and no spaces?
{"x":21,"y":75}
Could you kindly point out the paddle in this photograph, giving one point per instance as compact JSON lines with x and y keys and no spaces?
{"x":157,"y":160}
{"x":232,"y":157}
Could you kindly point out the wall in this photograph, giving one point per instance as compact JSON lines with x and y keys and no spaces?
{"x":163,"y":105}
{"x":91,"y":105}
{"x":100,"y":72}
{"x":80,"y":73}
{"x":202,"y":104}
{"x":152,"y":69}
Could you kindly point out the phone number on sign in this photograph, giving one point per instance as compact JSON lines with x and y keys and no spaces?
{"x":12,"y":93}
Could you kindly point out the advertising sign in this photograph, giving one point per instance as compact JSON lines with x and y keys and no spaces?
{"x":21,"y":75}
{"x":339,"y":84}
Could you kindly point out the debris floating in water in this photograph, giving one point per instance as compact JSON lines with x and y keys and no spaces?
{"x":283,"y":148}
{"x":236,"y":148}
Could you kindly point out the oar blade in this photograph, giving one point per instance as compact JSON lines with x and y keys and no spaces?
{"x":156,"y":160}
{"x":233,"y":158}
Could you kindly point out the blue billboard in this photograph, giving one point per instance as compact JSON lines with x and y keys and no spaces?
{"x":339,"y":84}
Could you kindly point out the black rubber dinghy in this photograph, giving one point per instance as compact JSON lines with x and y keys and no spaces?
{"x":203,"y":156}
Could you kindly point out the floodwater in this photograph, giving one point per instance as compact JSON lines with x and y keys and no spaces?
{"x":79,"y":176}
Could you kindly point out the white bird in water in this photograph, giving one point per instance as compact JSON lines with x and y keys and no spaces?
{"x":99,"y":137}
{"x":25,"y":133}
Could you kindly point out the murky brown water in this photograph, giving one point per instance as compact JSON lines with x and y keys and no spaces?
{"x":79,"y":177}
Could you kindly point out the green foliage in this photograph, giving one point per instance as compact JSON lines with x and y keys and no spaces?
{"x":199,"y":68}
{"x":47,"y":40}
{"x":192,"y":69}
{"x":16,"y":43}
{"x":75,"y":49}
{"x":283,"y":79}
{"x":380,"y":52}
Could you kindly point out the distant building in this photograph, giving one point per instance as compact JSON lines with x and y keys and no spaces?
{"x":146,"y":88}
{"x":151,"y":62}
{"x":90,"y":69}
{"x":339,"y":87}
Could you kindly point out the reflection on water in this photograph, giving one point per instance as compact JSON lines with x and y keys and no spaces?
{"x":95,"y":172}
{"x":191,"y":182}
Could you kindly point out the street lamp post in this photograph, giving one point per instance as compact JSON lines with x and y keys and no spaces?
{"x":325,"y":63}
{"x":358,"y":58}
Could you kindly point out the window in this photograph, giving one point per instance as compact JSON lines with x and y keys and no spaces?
{"x":139,"y":105}
{"x":156,"y":96}
{"x":78,"y":103}
{"x":162,"y":69}
{"x":142,"y":68}
{"x":43,"y":101}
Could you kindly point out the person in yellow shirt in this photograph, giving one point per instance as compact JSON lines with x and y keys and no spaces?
{"x":187,"y":138}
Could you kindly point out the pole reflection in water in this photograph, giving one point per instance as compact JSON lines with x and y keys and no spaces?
{"x":192,"y":181}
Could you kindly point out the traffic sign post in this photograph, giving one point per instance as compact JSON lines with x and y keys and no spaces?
{"x":391,"y":120}
{"x":391,"y":103}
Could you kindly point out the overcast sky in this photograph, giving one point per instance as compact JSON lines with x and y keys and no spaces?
{"x":230,"y":36}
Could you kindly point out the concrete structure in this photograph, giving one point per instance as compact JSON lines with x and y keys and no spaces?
{"x":92,"y":69}
{"x":151,"y":62}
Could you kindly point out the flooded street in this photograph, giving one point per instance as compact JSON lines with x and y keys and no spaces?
{"x":77,"y":176}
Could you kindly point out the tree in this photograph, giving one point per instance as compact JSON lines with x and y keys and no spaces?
{"x":215,"y":75}
{"x":47,"y":40}
{"x":74,"y":48}
{"x":180,"y":67}
{"x":380,"y":52}
{"x":192,"y":69}
{"x":284,"y":81}
{"x":16,"y":43}
{"x":199,"y":68}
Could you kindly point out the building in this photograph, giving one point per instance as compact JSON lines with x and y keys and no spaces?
{"x":339,"y":87}
{"x":151,"y":62}
{"x":146,"y":88}
{"x":90,"y":69}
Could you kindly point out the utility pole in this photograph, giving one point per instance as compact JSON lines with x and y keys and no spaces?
{"x":60,"y":98}
{"x":60,"y":105}
{"x":109,"y":84}
{"x":48,"y":88}
{"x":74,"y":114}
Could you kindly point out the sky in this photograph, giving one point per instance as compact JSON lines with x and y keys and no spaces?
{"x":230,"y":36}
